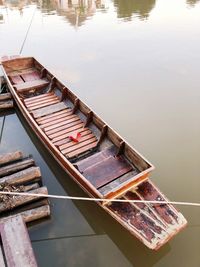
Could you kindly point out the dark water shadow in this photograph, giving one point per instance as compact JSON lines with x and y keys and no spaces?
{"x":192,"y":3}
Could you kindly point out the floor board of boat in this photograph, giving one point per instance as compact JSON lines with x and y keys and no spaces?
{"x":45,"y":104}
{"x":48,"y":110}
{"x":36,"y":98}
{"x":30,"y":76}
{"x":78,"y":145}
{"x":96,"y":158}
{"x":65,"y":129}
{"x":41,"y":101}
{"x":65,"y":140}
{"x":107,"y":170}
{"x":82,"y":150}
{"x":59,"y":118}
{"x":58,"y":125}
{"x":54,"y":116}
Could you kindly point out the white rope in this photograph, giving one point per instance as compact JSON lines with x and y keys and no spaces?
{"x":102,"y":199}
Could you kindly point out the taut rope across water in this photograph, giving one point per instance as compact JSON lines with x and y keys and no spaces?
{"x":181,"y":203}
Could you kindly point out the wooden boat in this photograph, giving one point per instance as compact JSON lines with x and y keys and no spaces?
{"x":95,"y":156}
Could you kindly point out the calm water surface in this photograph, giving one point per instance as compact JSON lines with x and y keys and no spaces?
{"x":136,"y":63}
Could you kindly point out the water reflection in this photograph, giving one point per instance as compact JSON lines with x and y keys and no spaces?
{"x":75,"y":11}
{"x":192,"y":3}
{"x":1,"y":18}
{"x":127,"y":8}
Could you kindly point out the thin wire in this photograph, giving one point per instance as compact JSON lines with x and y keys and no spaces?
{"x":22,"y":47}
{"x":102,"y":199}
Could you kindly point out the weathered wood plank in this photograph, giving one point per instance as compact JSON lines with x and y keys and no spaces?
{"x":49,"y":110}
{"x":9,"y":157}
{"x":5,"y":96}
{"x":83,"y":131}
{"x":22,"y":200}
{"x":19,"y":72}
{"x":59,"y":118}
{"x":45,"y":104}
{"x":41,"y":101}
{"x":32,"y":214}
{"x":81,"y":150}
{"x":56,"y":115}
{"x":36,"y":84}
{"x":65,"y":129}
{"x":6,"y":104}
{"x":96,"y":158}
{"x":14,"y":167}
{"x":30,"y":76}
{"x":84,"y":137}
{"x":70,"y":119}
{"x":144,"y":225}
{"x":36,"y":98}
{"x":16,"y":79}
{"x":36,"y":214}
{"x":22,"y":177}
{"x":79,"y":145}
{"x":107,"y":170}
{"x":12,"y":231}
{"x":63,"y":134}
{"x":149,"y":192}
{"x":110,"y":188}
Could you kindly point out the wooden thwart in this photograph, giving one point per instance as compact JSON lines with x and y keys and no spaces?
{"x":30,"y":76}
{"x":27,"y":86}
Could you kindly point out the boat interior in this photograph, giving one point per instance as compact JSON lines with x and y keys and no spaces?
{"x":98,"y":152}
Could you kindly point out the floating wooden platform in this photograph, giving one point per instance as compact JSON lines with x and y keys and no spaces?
{"x":19,"y":174}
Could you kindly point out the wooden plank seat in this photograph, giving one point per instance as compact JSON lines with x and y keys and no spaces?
{"x":104,"y":167}
{"x":24,"y":76}
{"x":30,"y":85}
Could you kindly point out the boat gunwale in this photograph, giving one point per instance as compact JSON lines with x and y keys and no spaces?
{"x":66,"y":164}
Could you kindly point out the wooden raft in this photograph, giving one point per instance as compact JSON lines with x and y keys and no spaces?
{"x":15,"y":246}
{"x":6,"y":101}
{"x":19,"y":174}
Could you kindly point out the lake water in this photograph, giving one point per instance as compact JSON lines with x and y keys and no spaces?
{"x":137,"y":64}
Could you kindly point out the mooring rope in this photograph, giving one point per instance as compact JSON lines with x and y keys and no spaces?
{"x":27,"y":32}
{"x":101,"y":199}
